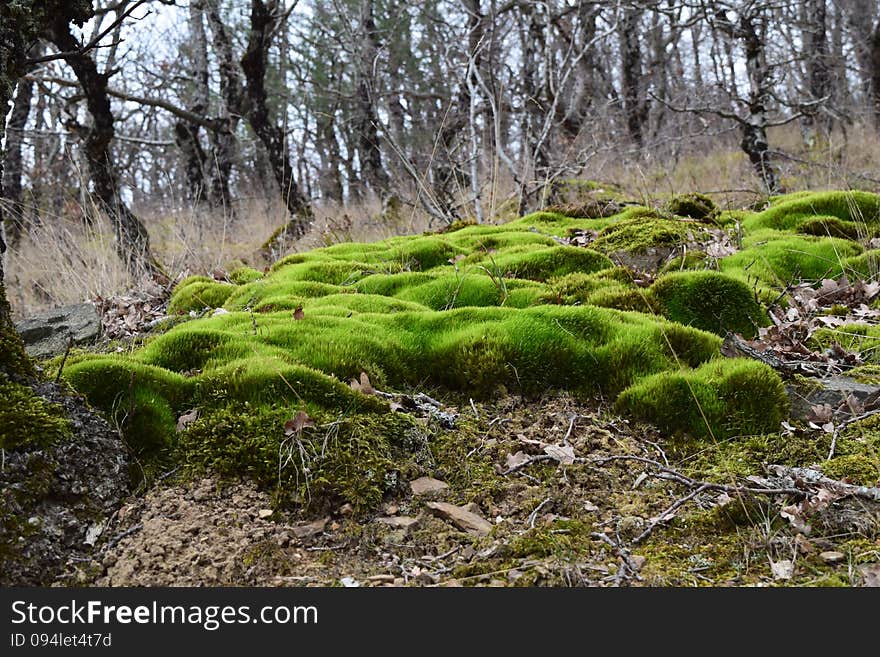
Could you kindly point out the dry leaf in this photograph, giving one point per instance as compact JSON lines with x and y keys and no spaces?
{"x":187,"y":419}
{"x":870,"y":573}
{"x":299,"y":422}
{"x":514,"y":460}
{"x":794,"y":514}
{"x":783,"y":569}
{"x":363,"y":385}
{"x":565,"y":455}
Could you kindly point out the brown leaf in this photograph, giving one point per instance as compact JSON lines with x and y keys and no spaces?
{"x":299,"y":422}
{"x":821,"y":413}
{"x":187,"y":418}
{"x":298,"y":313}
{"x":516,"y":459}
{"x":870,"y":573}
{"x":363,"y":385}
{"x":563,"y":454}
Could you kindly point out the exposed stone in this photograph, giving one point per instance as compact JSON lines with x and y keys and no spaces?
{"x":425,"y":485}
{"x":309,"y":529}
{"x":461,"y":518}
{"x":70,"y":489}
{"x":47,"y":334}
{"x":401,"y":522}
{"x":832,"y":556}
{"x":650,"y":260}
{"x":832,"y":391}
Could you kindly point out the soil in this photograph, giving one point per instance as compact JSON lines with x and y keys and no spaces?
{"x":575,"y":520}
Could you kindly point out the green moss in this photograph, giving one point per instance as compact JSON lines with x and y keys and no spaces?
{"x":860,"y":338}
{"x":244,"y":275}
{"x":831,"y":227}
{"x":456,"y":225}
{"x":776,"y":259}
{"x":639,"y":230}
{"x":866,"y":265}
{"x":563,"y":539}
{"x":691,"y":261}
{"x":709,"y":300}
{"x":14,"y":361}
{"x":29,"y":421}
{"x":722,"y":398}
{"x":788,"y":212}
{"x":197,"y":294}
{"x":590,"y":208}
{"x":858,"y":469}
{"x":544,"y":263}
{"x":866,"y":374}
{"x":696,"y":206}
{"x":353,"y":459}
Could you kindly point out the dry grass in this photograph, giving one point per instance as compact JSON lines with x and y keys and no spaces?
{"x":62,"y":260}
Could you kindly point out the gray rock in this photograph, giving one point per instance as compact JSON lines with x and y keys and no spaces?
{"x":832,"y":391}
{"x":649,"y":260}
{"x":63,"y":492}
{"x":46,"y":335}
{"x":461,"y":518}
{"x":425,"y":485}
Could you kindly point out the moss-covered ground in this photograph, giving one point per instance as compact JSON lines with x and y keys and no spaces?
{"x":483,"y":312}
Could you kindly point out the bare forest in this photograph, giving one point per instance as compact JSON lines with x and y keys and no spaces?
{"x":181,"y":136}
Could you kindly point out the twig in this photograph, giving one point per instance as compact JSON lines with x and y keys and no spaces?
{"x":64,"y":359}
{"x":131,"y":530}
{"x":665,"y":516}
{"x":474,"y":409}
{"x":628,"y":568}
{"x":527,"y":463}
{"x":534,"y":514}
{"x":571,"y":422}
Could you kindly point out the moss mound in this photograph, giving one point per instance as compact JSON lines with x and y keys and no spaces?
{"x":693,"y":205}
{"x":720,"y":399}
{"x":473,"y":310}
{"x":710,"y":301}
{"x":641,"y":229}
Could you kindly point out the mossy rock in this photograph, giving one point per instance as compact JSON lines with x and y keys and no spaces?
{"x":355,"y":459}
{"x":788,"y":212}
{"x":718,"y":400}
{"x":710,"y":301}
{"x":590,"y":208}
{"x":858,"y":469}
{"x":29,"y":421}
{"x":643,"y":229}
{"x":198,"y":293}
{"x":694,"y":205}
{"x":244,"y":275}
{"x":832,"y":227}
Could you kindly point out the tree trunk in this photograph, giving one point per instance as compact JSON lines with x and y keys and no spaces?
{"x":631,"y":73}
{"x":13,"y":360}
{"x":816,"y":46}
{"x":875,"y":74}
{"x":13,"y":192}
{"x":187,"y":134}
{"x":223,"y":141}
{"x":254,"y":64}
{"x":369,"y":153}
{"x":132,"y":240}
{"x":754,"y":140}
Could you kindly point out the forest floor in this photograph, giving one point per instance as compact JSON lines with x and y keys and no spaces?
{"x":564,"y":494}
{"x":603,"y":394}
